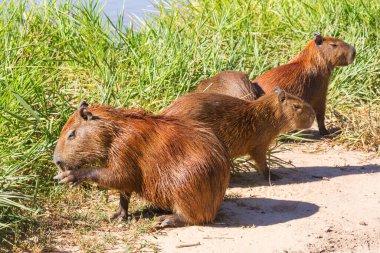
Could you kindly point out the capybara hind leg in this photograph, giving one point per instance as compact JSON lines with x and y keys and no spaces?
{"x":122,"y":212}
{"x":171,"y":220}
{"x":259,"y":156}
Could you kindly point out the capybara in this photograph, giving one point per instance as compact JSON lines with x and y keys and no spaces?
{"x":306,"y":76}
{"x":241,"y":88}
{"x":246,"y":127}
{"x":176,"y":165}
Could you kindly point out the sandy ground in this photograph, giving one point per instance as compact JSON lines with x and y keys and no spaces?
{"x":330,"y":202}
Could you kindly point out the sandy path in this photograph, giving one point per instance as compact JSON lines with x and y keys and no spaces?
{"x":329,"y":203}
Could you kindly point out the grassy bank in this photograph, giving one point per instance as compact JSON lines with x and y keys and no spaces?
{"x":55,"y":55}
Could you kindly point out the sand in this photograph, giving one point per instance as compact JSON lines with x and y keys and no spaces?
{"x":329,"y":202}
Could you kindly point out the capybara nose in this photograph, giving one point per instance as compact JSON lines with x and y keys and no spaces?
{"x":353,"y":54}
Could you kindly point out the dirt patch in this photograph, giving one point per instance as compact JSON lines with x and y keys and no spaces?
{"x":328,"y":203}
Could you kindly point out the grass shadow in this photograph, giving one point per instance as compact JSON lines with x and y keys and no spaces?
{"x":312,"y":135}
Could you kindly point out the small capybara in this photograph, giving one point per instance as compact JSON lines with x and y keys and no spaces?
{"x":176,"y":165}
{"x":246,"y":127}
{"x":306,"y":76}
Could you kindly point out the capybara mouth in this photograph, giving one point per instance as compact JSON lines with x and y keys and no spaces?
{"x":64,"y":167}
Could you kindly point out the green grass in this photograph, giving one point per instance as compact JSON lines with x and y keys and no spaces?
{"x":52,"y":56}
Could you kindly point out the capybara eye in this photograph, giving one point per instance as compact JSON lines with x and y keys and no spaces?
{"x":333,"y":44}
{"x":71,"y":135}
{"x":296,"y":106}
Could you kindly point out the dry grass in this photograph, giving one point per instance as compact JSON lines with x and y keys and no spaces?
{"x":77,"y":219}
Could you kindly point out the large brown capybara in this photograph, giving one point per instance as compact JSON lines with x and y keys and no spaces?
{"x":246,"y":127}
{"x":306,"y":76}
{"x":176,"y":165}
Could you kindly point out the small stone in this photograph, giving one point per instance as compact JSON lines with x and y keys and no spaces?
{"x":363,"y":223}
{"x":328,"y":229}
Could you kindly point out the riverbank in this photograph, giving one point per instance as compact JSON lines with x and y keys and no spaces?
{"x":54,"y":56}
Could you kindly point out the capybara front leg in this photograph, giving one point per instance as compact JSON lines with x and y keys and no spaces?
{"x":75,"y":177}
{"x":320,"y":112}
{"x":259,"y":156}
{"x":122,"y":212}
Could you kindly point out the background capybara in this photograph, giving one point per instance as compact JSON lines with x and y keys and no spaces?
{"x":306,"y":76}
{"x":176,"y":165}
{"x":246,"y":127}
{"x":220,"y":83}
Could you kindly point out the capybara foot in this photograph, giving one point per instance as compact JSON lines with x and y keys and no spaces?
{"x":169,"y":221}
{"x":332,"y":132}
{"x":122,"y":211}
{"x":323,"y":131}
{"x":120,"y":214}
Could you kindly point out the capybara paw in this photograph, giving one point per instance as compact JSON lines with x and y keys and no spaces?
{"x":324,"y":132}
{"x":169,"y":221}
{"x":68,"y":177}
{"x":332,"y":132}
{"x":120,"y":214}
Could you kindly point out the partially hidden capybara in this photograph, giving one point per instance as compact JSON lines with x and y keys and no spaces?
{"x":306,"y":76}
{"x":221,"y":83}
{"x":246,"y":127}
{"x":176,"y":165}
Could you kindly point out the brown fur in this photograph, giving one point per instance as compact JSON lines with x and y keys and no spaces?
{"x":220,"y":83}
{"x":174,"y":164}
{"x":246,"y":127}
{"x":306,"y":76}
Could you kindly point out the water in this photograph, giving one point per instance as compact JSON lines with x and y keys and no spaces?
{"x":128,"y":8}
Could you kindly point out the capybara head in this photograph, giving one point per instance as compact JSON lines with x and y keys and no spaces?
{"x":84,"y":139}
{"x":335,"y":51}
{"x":299,"y":114}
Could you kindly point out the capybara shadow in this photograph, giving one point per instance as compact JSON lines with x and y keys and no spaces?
{"x":238,"y":212}
{"x":300,"y":175}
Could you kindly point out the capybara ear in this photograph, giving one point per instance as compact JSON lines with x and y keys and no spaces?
{"x":318,"y":39}
{"x":85,"y":114}
{"x":281,"y":94}
{"x":82,"y":104}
